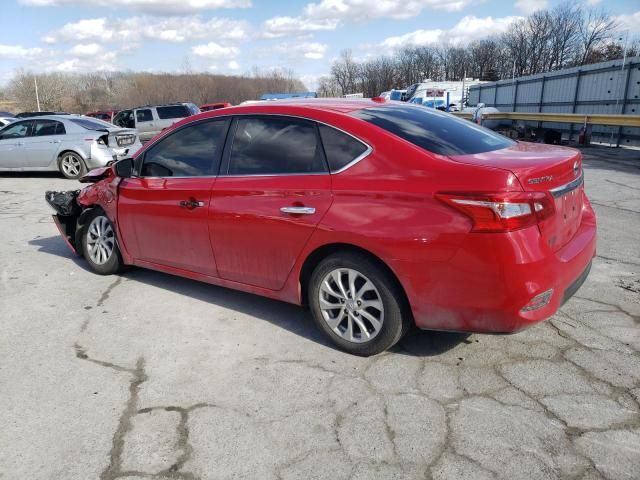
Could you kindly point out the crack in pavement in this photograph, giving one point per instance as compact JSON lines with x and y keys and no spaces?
{"x":138,"y":377}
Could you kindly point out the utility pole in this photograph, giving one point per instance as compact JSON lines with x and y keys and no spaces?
{"x":622,"y":84}
{"x":35,"y":81}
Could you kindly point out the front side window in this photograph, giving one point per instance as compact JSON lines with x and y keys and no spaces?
{"x":144,"y":115}
{"x":341,"y":149}
{"x":434,"y":131}
{"x":16,"y":130}
{"x":124,"y":119}
{"x":173,"y":111}
{"x":192,"y":151}
{"x":44,"y":128}
{"x":275,"y":145}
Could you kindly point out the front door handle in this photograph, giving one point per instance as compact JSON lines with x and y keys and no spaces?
{"x":19,"y":144}
{"x":191,"y":204}
{"x":298,"y":210}
{"x":55,"y":141}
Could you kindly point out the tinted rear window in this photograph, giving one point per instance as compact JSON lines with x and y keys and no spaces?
{"x":89,"y":124}
{"x":341,"y":149}
{"x":174,"y":111}
{"x":435,"y":131}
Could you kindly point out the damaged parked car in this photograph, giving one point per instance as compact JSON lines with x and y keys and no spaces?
{"x":71,"y":144}
{"x":376,"y":215}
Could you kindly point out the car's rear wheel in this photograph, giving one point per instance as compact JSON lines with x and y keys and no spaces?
{"x":71,"y":165}
{"x":357,"y":304}
{"x":99,"y":244}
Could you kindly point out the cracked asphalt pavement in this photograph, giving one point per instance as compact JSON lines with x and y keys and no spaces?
{"x":152,"y":376}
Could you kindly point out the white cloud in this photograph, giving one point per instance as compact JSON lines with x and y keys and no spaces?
{"x":151,"y":6}
{"x":215,"y":50}
{"x":530,"y":6}
{"x":19,"y":52}
{"x":233,"y":65}
{"x":329,"y":14}
{"x":304,"y":50}
{"x":593,"y":3}
{"x":71,"y":65}
{"x":468,"y":29}
{"x":630,"y":22}
{"x":359,"y":10}
{"x":171,"y":29}
{"x":311,"y":80}
{"x":86,"y":49}
{"x":287,"y":26}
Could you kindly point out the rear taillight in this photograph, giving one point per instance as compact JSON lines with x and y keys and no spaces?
{"x":501,"y":212}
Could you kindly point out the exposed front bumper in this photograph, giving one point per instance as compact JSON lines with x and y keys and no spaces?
{"x":486,"y":285}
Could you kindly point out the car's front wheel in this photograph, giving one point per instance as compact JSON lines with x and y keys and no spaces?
{"x":357,"y":304}
{"x":99,"y":244}
{"x":71,"y":165}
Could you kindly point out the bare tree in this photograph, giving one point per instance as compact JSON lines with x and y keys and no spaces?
{"x":596,"y":28}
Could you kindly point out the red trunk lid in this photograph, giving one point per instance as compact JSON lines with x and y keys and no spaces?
{"x":543,"y":168}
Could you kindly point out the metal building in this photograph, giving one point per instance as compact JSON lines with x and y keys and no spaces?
{"x":606,"y":88}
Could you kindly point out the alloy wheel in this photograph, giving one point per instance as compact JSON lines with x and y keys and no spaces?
{"x":351,"y":305}
{"x":71,"y":165}
{"x":100,"y":240}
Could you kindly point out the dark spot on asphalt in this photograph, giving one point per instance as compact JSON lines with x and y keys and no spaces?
{"x":88,"y":307}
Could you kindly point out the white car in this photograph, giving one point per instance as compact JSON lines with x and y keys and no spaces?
{"x":71,"y":144}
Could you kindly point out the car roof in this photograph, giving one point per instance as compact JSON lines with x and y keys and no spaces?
{"x":339,"y":105}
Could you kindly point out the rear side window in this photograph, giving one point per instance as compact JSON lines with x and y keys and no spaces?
{"x":88,"y":124}
{"x":173,"y":111}
{"x":435,"y":131}
{"x":144,"y":115}
{"x":192,"y":151}
{"x":341,"y":149}
{"x":275,"y":145}
{"x":48,"y":127}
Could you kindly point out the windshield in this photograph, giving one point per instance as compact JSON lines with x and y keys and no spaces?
{"x":432,"y":130}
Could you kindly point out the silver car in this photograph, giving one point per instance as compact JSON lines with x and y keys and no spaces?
{"x":72,"y":144}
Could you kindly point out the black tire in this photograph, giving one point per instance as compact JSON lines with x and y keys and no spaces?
{"x":113,"y":263}
{"x":396,"y":319}
{"x":65,"y":160}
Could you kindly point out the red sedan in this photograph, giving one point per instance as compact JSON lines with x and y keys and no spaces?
{"x":376,"y":215}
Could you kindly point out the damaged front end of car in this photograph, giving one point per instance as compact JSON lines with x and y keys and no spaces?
{"x":72,"y":205}
{"x":68,"y":211}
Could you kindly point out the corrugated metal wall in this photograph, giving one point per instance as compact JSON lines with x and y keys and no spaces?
{"x":607,"y":87}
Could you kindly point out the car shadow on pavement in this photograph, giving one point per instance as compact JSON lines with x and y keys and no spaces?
{"x":55,"y":246}
{"x":293,"y":318}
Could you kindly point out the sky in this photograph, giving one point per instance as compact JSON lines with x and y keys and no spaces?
{"x":235,"y":36}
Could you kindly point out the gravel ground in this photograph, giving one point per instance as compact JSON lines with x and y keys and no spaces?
{"x":146,"y":375}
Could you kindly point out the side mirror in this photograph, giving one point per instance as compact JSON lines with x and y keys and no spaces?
{"x":124,"y":168}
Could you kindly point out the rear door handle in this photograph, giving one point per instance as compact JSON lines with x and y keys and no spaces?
{"x":298,"y":210}
{"x":19,"y":144}
{"x":191,"y":204}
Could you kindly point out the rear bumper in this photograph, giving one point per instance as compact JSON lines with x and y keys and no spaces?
{"x":484,"y":287}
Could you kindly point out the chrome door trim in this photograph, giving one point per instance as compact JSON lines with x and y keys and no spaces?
{"x":298,"y":210}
